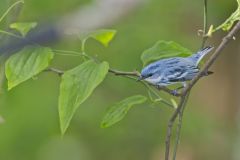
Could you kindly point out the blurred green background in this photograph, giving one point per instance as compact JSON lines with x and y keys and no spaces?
{"x":211,"y":122}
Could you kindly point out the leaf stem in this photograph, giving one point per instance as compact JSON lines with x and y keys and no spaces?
{"x":10,"y":34}
{"x":54,"y":70}
{"x":67,"y":53}
{"x":83,"y":45}
{"x":122,"y":73}
{"x":157,"y":95}
{"x":9,"y":9}
{"x":136,"y":74}
{"x":205,"y":24}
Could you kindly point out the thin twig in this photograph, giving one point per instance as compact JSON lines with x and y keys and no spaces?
{"x":180,"y":114}
{"x":67,"y":53}
{"x":54,"y":70}
{"x":10,"y":34}
{"x":121,"y":73}
{"x":170,"y":125}
{"x":115,"y":72}
{"x":137,"y":74}
{"x":185,"y":92}
{"x":230,"y":36}
{"x":118,"y":73}
{"x":179,"y":126}
{"x":205,"y":24}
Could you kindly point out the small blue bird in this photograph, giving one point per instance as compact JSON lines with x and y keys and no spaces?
{"x":174,"y":70}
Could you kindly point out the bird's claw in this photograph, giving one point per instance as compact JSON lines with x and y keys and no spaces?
{"x":174,"y":92}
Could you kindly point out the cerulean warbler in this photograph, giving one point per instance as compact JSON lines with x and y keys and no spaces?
{"x":174,"y":70}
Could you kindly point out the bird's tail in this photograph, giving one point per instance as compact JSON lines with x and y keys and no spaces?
{"x":197,"y":57}
{"x":207,"y":73}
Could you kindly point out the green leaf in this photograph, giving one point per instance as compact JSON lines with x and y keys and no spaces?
{"x":119,"y":110}
{"x":164,"y":49}
{"x":27,"y":63}
{"x":103,"y":36}
{"x":228,"y":23}
{"x":23,"y":27}
{"x":76,"y":86}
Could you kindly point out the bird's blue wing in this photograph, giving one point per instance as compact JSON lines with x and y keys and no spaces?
{"x":170,"y":70}
{"x":180,"y":73}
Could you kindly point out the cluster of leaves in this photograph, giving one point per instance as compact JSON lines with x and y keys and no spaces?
{"x":229,"y":22}
{"x":77,"y":84}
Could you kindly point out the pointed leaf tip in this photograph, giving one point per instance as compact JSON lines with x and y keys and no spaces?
{"x":76,"y":86}
{"x":23,"y":27}
{"x":118,"y":111}
{"x":27,"y":63}
{"x":104,"y":36}
{"x":164,"y":49}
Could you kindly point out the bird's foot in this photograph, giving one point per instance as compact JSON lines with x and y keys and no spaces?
{"x":174,"y":92}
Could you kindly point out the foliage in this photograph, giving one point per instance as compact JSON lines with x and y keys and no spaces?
{"x":23,"y":28}
{"x":78,"y":84}
{"x":27,"y":63}
{"x":228,"y":23}
{"x":117,"y":112}
{"x":104,"y":36}
{"x":164,"y":49}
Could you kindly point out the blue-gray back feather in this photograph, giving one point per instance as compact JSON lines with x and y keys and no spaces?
{"x":197,"y":57}
{"x":172,"y":70}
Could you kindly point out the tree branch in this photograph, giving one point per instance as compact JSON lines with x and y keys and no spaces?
{"x":180,"y":114}
{"x":212,"y":59}
{"x":137,"y":74}
{"x":187,"y":90}
{"x":122,"y":73}
{"x":130,"y":75}
{"x":170,"y":126}
{"x":179,"y":126}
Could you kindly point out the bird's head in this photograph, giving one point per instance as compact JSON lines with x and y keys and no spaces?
{"x":146,"y":73}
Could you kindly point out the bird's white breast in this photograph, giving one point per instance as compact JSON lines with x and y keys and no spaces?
{"x":155,"y":80}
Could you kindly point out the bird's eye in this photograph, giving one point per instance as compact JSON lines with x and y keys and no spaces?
{"x":150,"y":75}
